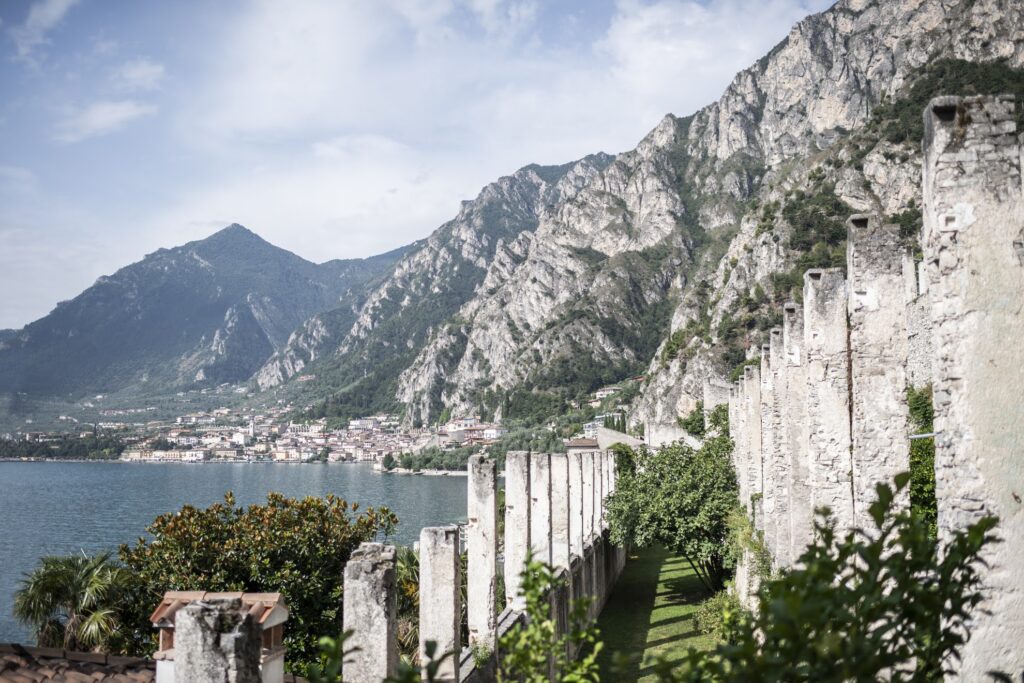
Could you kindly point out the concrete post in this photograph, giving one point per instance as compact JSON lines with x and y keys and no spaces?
{"x":216,"y":642}
{"x":794,"y":419}
{"x":588,"y":497}
{"x":482,"y":551}
{"x":752,"y":427}
{"x":737,"y":408}
{"x":441,"y":597}
{"x":974,"y":250}
{"x":517,"y":522}
{"x":715,"y":393}
{"x":780,"y":449}
{"x":560,"y":510}
{"x":576,"y":504}
{"x":828,"y":394}
{"x":370,"y":612}
{"x":878,"y":360}
{"x":540,"y":508}
{"x":768,"y":449}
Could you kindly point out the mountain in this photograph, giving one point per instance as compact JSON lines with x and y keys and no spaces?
{"x":671,"y":259}
{"x":358,"y":350}
{"x":204,"y":313}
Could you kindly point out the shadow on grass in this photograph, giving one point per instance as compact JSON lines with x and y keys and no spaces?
{"x":626,"y":617}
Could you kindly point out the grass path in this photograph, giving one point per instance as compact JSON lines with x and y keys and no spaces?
{"x":651,"y":612}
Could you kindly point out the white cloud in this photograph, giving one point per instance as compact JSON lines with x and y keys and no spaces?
{"x":43,"y":16}
{"x":100,"y":118}
{"x":138,"y":74}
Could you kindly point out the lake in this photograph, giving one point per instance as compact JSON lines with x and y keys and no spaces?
{"x":55,"y":508}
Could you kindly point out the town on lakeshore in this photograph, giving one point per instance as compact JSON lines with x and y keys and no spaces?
{"x":274,"y":435}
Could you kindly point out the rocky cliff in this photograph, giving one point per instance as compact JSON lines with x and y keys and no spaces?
{"x":690,"y":242}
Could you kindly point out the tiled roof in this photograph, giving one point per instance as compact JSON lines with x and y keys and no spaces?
{"x":32,"y":664}
{"x":581,"y":443}
{"x":268,"y":609}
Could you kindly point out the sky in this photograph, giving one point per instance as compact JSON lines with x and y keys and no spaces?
{"x":332,"y":128}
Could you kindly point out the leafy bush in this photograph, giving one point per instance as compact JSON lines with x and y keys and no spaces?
{"x":531,"y":651}
{"x":297,"y":547}
{"x":886,"y":603}
{"x":713,"y":615}
{"x":681,"y":498}
{"x":922,"y":458}
{"x":694,"y":422}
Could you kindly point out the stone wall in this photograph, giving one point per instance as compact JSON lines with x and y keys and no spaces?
{"x":825,"y":417}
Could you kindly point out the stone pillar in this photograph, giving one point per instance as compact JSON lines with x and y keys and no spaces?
{"x":768,"y":449}
{"x":752,"y":428}
{"x":540,"y":506}
{"x":370,"y":612}
{"x":576,"y":504}
{"x":441,"y":597}
{"x":779,"y":454}
{"x":878,"y":360}
{"x":588,"y":497}
{"x":736,"y":413}
{"x":482,"y":551}
{"x":560,"y":510}
{"x":216,"y":641}
{"x":794,"y":419}
{"x":974,"y":250}
{"x":828,"y":394}
{"x":517,"y":522}
{"x":715,"y":393}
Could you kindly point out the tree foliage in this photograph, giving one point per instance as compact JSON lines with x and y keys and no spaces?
{"x":297,"y":547}
{"x":70,"y":602}
{"x":530,"y":651}
{"x":887,"y":603}
{"x":681,"y":498}
{"x":922,"y":457}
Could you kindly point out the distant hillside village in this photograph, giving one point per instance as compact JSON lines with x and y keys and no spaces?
{"x":272,"y":435}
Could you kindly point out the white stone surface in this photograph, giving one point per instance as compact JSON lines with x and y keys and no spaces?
{"x":482,"y":550}
{"x":540,"y":506}
{"x":828,"y":394}
{"x":216,"y":642}
{"x":974,"y":250}
{"x":370,"y":612}
{"x":517,"y":522}
{"x":441,"y":597}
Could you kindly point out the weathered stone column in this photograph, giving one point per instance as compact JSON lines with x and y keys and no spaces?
{"x":878,"y":360}
{"x":715,"y":393}
{"x":560,"y":510}
{"x":828,"y":394}
{"x":752,"y":428}
{"x":737,"y":410}
{"x":370,"y":612}
{"x":576,"y":504}
{"x":588,"y":497}
{"x":768,"y":449}
{"x":216,"y":642}
{"x":540,"y":506}
{"x":441,"y":597}
{"x":974,"y":251}
{"x":780,"y":449}
{"x":517,"y":522}
{"x":482,"y":551}
{"x":794,"y":419}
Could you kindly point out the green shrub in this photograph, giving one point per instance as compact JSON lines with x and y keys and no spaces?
{"x":714,"y":615}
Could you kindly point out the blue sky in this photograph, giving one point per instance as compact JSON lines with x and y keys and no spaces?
{"x":332,"y":128}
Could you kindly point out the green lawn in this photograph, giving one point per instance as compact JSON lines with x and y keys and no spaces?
{"x":651,"y":612}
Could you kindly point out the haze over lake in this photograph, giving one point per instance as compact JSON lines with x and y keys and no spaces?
{"x":51,"y":508}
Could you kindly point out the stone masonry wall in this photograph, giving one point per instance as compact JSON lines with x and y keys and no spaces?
{"x":974,"y":254}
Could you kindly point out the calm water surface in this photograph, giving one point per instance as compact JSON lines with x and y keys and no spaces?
{"x":50,"y":508}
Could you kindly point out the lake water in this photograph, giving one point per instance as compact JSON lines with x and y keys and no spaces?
{"x":51,"y":508}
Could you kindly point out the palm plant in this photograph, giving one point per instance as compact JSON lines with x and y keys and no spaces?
{"x":71,"y":601}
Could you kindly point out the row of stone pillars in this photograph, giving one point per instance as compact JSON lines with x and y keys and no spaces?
{"x":824,"y":416}
{"x":554,"y":510}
